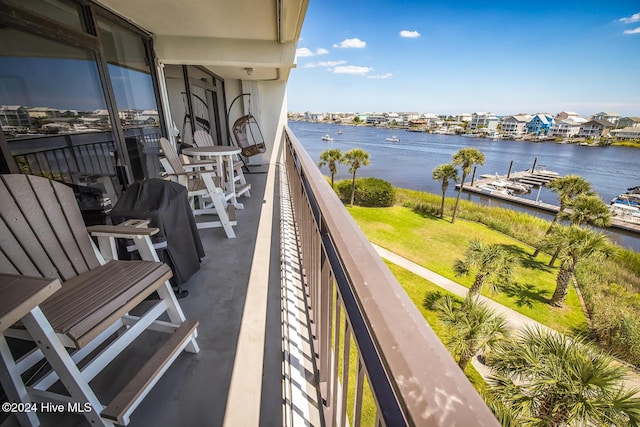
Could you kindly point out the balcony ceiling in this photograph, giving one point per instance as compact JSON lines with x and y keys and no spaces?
{"x":225,"y":36}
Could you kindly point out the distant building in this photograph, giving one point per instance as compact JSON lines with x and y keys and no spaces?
{"x":631,"y":132}
{"x":540,"y":124}
{"x":609,"y":117}
{"x":376,"y":119}
{"x":563,"y":115}
{"x":431,"y":120}
{"x":464,"y":117}
{"x":408,"y":116}
{"x":394,"y":118}
{"x":595,"y":129}
{"x":14,"y":116}
{"x":483,"y":120}
{"x":625,"y":122}
{"x":314,"y":117}
{"x":44,"y":113}
{"x":567,"y":128}
{"x":515,"y":125}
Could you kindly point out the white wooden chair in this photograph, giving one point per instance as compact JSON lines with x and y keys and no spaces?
{"x":203,"y":139}
{"x":204,"y":190}
{"x":42,"y":234}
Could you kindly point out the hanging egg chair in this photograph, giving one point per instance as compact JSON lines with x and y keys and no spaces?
{"x":248,"y":136}
{"x":247,"y":132}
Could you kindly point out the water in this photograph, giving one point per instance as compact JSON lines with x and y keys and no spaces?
{"x":409,"y":163}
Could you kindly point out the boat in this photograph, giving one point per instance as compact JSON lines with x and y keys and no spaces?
{"x":495,"y":188}
{"x":470,"y":135}
{"x":327,"y":138}
{"x":393,"y":139}
{"x":339,"y":132}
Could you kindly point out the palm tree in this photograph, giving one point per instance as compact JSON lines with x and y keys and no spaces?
{"x":471,"y":327}
{"x":543,"y":378}
{"x":465,"y":158}
{"x":568,"y":187}
{"x":331,"y":157}
{"x":491,"y":263}
{"x":356,"y":158}
{"x":585,"y":209}
{"x":574,"y":243}
{"x":444,"y":173}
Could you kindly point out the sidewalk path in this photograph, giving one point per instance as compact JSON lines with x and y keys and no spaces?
{"x":513,"y":318}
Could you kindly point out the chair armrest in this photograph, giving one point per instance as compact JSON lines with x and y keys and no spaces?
{"x":121,"y":231}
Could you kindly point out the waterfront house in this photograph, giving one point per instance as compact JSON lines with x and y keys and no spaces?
{"x":15,"y":116}
{"x":540,"y":124}
{"x":595,"y":129}
{"x":607,"y":116}
{"x":567,"y":128}
{"x":44,"y":113}
{"x":562,"y":115}
{"x":630,"y":132}
{"x":629,"y":122}
{"x":275,"y":328}
{"x":483,"y":120}
{"x":514,"y":126}
{"x":432,"y":120}
{"x":376,"y":119}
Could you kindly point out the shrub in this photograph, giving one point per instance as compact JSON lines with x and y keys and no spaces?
{"x":370,"y":192}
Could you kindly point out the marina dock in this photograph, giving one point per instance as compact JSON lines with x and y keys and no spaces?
{"x":535,"y":179}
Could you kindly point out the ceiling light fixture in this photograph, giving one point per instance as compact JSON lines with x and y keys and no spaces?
{"x":249,"y":71}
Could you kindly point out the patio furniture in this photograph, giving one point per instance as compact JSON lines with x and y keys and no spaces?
{"x":203,"y":140}
{"x":96,"y":314}
{"x":204,"y":189}
{"x":166,"y":205}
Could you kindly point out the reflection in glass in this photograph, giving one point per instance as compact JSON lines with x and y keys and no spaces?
{"x":54,"y":114}
{"x":135,"y":97}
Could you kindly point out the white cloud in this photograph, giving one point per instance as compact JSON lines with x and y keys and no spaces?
{"x":306,"y":52}
{"x":352,"y":69}
{"x":326,"y":64}
{"x":380,"y":76}
{"x":630,"y":19}
{"x":634,"y":31}
{"x":348,"y":43}
{"x":409,"y":34}
{"x":303,"y":51}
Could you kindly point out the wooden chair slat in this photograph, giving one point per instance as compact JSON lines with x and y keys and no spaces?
{"x":107,"y":292}
{"x":60,"y":206}
{"x":18,"y":241}
{"x":6,"y":266}
{"x":42,"y":234}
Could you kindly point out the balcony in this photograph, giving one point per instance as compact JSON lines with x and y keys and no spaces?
{"x":287,"y":310}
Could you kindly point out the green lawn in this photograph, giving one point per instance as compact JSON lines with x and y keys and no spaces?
{"x":420,"y":290}
{"x":436,"y":244}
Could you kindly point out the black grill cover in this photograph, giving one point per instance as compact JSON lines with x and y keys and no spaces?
{"x":166,"y":205}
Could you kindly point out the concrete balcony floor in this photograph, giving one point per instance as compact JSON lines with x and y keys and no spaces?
{"x":248,"y":327}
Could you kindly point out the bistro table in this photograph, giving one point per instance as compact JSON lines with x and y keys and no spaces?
{"x":21,"y":297}
{"x":221,"y":154}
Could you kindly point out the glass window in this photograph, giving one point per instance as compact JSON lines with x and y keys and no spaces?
{"x":63,"y":11}
{"x":133,"y":89}
{"x":54,"y":114}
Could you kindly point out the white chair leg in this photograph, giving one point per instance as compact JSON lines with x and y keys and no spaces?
{"x":59,"y":359}
{"x":13,"y":385}
{"x":174,"y":311}
{"x":219,"y":202}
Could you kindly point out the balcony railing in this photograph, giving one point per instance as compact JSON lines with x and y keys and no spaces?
{"x":361,"y":316}
{"x":75,"y":158}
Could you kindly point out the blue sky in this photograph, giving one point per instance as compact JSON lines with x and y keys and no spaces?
{"x":450,"y":57}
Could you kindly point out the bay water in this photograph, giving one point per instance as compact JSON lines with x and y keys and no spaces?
{"x":409,"y":162}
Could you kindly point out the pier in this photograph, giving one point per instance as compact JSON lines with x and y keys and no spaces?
{"x":536,"y":179}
